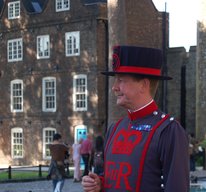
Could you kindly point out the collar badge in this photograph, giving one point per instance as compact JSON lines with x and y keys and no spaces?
{"x":142,"y":127}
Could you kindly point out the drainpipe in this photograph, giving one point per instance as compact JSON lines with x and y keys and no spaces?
{"x":106,"y":77}
{"x":164,"y":48}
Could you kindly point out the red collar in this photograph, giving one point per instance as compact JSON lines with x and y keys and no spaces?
{"x":143,"y":112}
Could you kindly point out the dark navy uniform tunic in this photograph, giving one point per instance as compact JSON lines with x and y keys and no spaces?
{"x":146,"y":152}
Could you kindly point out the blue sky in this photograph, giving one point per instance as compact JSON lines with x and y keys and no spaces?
{"x":183,"y":21}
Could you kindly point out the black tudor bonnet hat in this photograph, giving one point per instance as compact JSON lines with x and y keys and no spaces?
{"x":142,"y":61}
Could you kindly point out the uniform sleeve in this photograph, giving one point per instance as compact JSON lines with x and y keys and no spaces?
{"x":173,"y":148}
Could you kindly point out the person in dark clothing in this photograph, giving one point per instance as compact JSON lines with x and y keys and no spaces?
{"x":147,"y":150}
{"x":66,"y":161}
{"x":98,"y":155}
{"x":193,"y":143}
{"x":57,"y":167}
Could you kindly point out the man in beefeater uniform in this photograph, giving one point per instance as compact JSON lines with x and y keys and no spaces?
{"x":146,"y":151}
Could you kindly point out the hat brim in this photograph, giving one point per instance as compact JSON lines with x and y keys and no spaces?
{"x":111,"y":73}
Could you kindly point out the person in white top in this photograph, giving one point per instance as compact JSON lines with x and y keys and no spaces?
{"x":76,"y":156}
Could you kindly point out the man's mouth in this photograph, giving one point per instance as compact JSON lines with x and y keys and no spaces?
{"x":119,"y":95}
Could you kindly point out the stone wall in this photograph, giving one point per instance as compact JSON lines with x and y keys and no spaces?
{"x":201,"y":72}
{"x":191,"y":91}
{"x":175,"y":61}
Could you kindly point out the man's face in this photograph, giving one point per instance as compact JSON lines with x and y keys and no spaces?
{"x":128,"y":90}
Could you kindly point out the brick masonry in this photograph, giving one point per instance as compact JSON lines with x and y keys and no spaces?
{"x":92,"y":24}
{"x":136,"y":23}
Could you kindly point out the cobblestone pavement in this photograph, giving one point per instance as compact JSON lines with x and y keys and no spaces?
{"x":39,"y":186}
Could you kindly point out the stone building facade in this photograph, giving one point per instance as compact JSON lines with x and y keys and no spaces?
{"x":188,"y":90}
{"x":201,"y":72}
{"x":181,"y":94}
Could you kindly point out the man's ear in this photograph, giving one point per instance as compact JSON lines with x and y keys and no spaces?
{"x":145,"y":86}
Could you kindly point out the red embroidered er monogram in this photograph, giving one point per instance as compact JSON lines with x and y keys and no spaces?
{"x":117,"y":173}
{"x":125,"y":141}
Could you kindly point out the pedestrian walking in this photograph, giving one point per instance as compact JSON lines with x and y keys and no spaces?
{"x":86,"y":150}
{"x":76,"y":156}
{"x":57,"y":167}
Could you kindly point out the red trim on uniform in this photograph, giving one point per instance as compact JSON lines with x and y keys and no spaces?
{"x":113,"y":131}
{"x":141,"y":70}
{"x":144,"y":152}
{"x":143,"y":112}
{"x":102,"y":182}
{"x":106,"y":147}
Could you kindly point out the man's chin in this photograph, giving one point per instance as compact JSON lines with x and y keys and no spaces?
{"x":120,"y":104}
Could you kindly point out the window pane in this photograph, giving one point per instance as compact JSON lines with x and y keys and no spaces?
{"x":15,"y":50}
{"x":14,"y":9}
{"x":43,"y":47}
{"x":48,"y":139}
{"x":49,"y":97}
{"x":80,"y":92}
{"x":17,"y":96}
{"x":62,"y":5}
{"x":72,"y":43}
{"x":17,"y":143}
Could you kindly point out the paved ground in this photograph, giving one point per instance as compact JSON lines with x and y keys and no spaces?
{"x":198,"y":173}
{"x":69,"y":186}
{"x":39,"y":186}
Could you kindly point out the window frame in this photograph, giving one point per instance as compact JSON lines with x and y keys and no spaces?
{"x":17,"y":81}
{"x":13,"y":12}
{"x":44,"y":95}
{"x":75,"y":93}
{"x":17,"y":130}
{"x":45,"y":143}
{"x":62,"y":4}
{"x":72,"y":48}
{"x":18,"y":51}
{"x":41,"y":42}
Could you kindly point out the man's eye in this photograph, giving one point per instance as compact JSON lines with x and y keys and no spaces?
{"x":120,"y":79}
